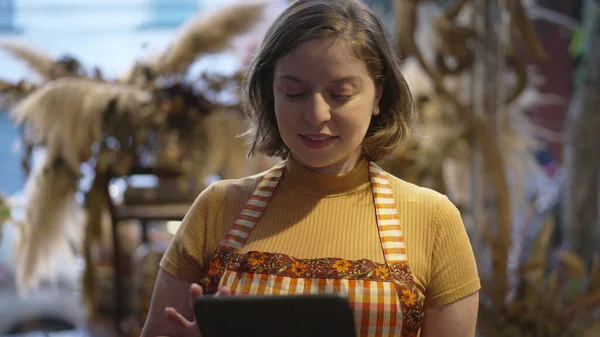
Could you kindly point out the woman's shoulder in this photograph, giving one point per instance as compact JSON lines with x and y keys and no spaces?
{"x":407,"y":192}
{"x":231,"y":189}
{"x":425,"y":204}
{"x":437,"y":243}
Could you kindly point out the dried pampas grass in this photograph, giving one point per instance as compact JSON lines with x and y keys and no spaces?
{"x":38,"y":60}
{"x":52,"y":226}
{"x":66,"y":115}
{"x":207,"y":33}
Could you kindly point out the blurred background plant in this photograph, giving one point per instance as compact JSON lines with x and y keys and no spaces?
{"x":487,"y":82}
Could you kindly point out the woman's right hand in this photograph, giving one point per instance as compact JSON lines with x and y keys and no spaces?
{"x":184,"y":327}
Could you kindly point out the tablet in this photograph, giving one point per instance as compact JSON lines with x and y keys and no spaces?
{"x":274,"y":316}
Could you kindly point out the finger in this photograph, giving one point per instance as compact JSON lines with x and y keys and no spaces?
{"x":177,"y":319}
{"x":224,"y":291}
{"x":195,"y":292}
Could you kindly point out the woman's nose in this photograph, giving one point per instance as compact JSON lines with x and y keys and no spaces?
{"x":317,"y":111}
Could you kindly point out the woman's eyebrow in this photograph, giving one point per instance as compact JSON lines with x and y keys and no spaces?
{"x":344,"y":79}
{"x":290,"y":77}
{"x":350,"y":79}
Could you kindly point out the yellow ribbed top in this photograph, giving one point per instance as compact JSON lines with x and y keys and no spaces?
{"x":314,"y":215}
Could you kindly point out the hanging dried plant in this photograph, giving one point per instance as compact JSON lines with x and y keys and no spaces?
{"x":38,"y":60}
{"x":555,"y":296}
{"x":161,"y":124}
{"x":43,"y":63}
{"x":53,"y":221}
{"x":206,"y":33}
{"x":511,"y":158}
{"x":66,"y":117}
{"x":11,"y":93}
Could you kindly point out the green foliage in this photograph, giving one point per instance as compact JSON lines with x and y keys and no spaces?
{"x":4,"y":210}
{"x":577,"y":42}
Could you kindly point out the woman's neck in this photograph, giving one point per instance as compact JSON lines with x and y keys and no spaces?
{"x":320,"y":184}
{"x":341,"y":167}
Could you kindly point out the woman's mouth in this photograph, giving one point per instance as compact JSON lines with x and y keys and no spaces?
{"x":318,"y":141}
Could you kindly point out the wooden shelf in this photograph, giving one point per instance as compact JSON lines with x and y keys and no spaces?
{"x":152,"y":212}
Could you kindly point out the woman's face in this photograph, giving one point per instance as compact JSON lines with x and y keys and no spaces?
{"x":324,"y":100}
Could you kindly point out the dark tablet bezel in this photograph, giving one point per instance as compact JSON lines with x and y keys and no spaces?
{"x":277,"y":315}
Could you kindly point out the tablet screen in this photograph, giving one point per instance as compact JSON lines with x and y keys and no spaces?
{"x":281,"y":316}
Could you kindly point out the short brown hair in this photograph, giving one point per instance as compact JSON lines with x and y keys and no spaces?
{"x":353,"y":22}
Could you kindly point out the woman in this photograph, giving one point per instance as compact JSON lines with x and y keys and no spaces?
{"x":326,"y":94}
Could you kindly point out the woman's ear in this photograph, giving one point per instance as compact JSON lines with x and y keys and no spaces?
{"x":378,"y":92}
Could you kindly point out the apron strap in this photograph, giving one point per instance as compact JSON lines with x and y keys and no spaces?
{"x":245,"y":222}
{"x":388,"y":222}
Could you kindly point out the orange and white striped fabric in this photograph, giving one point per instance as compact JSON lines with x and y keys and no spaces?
{"x":384,"y":296}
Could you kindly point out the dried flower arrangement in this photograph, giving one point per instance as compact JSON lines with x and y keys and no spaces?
{"x":153,"y":119}
{"x":550,"y":294}
{"x":554,"y":296}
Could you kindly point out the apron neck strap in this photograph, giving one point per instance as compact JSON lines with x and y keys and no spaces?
{"x":388,"y":222}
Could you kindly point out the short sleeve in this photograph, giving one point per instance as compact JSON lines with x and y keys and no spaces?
{"x":454,"y":272}
{"x":184,"y":258}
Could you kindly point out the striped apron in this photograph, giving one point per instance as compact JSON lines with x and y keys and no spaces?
{"x":384,"y":297}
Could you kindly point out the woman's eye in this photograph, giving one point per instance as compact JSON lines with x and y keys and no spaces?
{"x":295,"y":95}
{"x":341,"y":97}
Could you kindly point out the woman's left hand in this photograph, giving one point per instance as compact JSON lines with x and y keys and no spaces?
{"x":185,"y":327}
